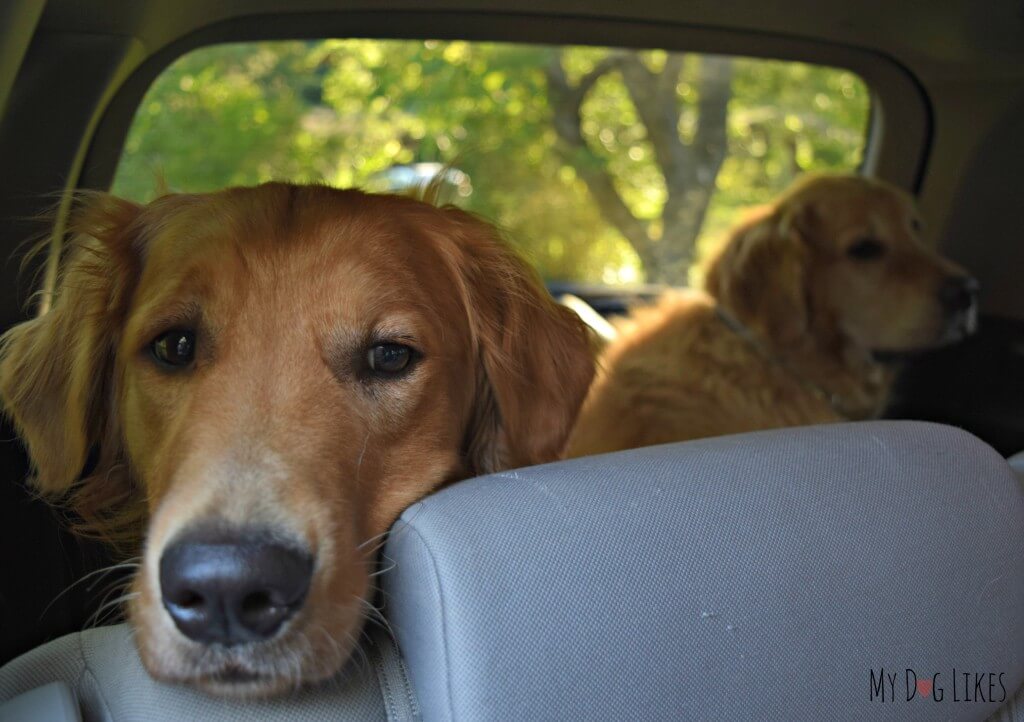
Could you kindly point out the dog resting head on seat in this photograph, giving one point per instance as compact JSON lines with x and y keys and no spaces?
{"x":266,"y":377}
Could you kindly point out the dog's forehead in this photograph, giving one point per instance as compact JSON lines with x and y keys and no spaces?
{"x":891,"y":202}
{"x":300,"y":222}
{"x":347,"y":223}
{"x":856,"y":204}
{"x":286,"y":244}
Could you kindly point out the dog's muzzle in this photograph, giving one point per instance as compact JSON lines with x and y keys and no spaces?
{"x":958,"y":296}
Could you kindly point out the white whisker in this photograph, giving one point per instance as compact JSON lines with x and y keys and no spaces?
{"x":132,"y":563}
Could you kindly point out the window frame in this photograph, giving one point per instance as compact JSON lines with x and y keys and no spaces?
{"x":899,"y":131}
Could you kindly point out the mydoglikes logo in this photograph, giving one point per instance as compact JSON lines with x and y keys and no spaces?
{"x":888,"y":686}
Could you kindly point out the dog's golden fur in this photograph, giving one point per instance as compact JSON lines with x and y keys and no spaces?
{"x":788,"y":329}
{"x":277,"y":423}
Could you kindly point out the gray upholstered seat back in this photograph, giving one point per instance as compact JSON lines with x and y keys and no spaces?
{"x":1016,"y":463}
{"x":762,"y":577}
{"x":110,"y":684}
{"x":769,"y":576}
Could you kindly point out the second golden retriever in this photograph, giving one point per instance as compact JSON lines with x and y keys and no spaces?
{"x":801,"y":302}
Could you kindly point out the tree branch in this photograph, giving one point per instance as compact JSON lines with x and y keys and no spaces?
{"x":566,"y":100}
{"x":657,"y":104}
{"x":715,"y":89}
{"x":688,"y":198}
{"x":668,"y":79}
{"x":689,"y":169}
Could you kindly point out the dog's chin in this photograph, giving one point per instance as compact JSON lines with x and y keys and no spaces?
{"x":960,"y":326}
{"x":250,"y":673}
{"x":957,"y":328}
{"x":302,"y":655}
{"x":237,"y":683}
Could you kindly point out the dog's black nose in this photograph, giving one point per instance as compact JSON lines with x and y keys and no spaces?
{"x":232,"y":590}
{"x":958,"y":293}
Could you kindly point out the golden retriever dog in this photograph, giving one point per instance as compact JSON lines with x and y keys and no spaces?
{"x":804,"y":303}
{"x":261,"y":380}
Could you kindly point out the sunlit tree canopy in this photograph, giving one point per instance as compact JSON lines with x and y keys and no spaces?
{"x":601,"y":165}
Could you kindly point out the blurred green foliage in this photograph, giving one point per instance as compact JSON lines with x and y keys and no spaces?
{"x":344,"y":111}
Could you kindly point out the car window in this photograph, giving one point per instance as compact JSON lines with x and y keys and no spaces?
{"x":602,"y":165}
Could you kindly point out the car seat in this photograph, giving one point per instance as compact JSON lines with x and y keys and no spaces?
{"x":839,"y":572}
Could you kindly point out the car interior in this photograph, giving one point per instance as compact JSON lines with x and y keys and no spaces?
{"x":776,"y":575}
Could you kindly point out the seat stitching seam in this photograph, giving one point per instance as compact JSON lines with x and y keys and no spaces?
{"x":86,"y":669}
{"x":444,"y":620}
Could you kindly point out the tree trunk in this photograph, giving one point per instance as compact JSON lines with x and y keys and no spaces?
{"x":689,"y":168}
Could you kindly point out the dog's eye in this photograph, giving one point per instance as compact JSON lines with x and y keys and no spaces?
{"x":866,"y":249}
{"x":388,"y":358}
{"x":176,"y":347}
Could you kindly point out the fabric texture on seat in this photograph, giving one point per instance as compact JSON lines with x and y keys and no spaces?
{"x":773,"y":576}
{"x":103,"y":668}
{"x":1011,"y":712}
{"x":1016,"y":463}
{"x":53,"y":702}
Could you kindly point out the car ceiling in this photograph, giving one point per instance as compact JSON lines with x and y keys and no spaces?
{"x":932,"y":38}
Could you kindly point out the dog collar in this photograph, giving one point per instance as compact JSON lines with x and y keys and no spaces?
{"x":748,"y":337}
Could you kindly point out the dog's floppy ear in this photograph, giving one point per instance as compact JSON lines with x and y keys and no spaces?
{"x":56,"y":369}
{"x":535,"y":354}
{"x":760,"y":274}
